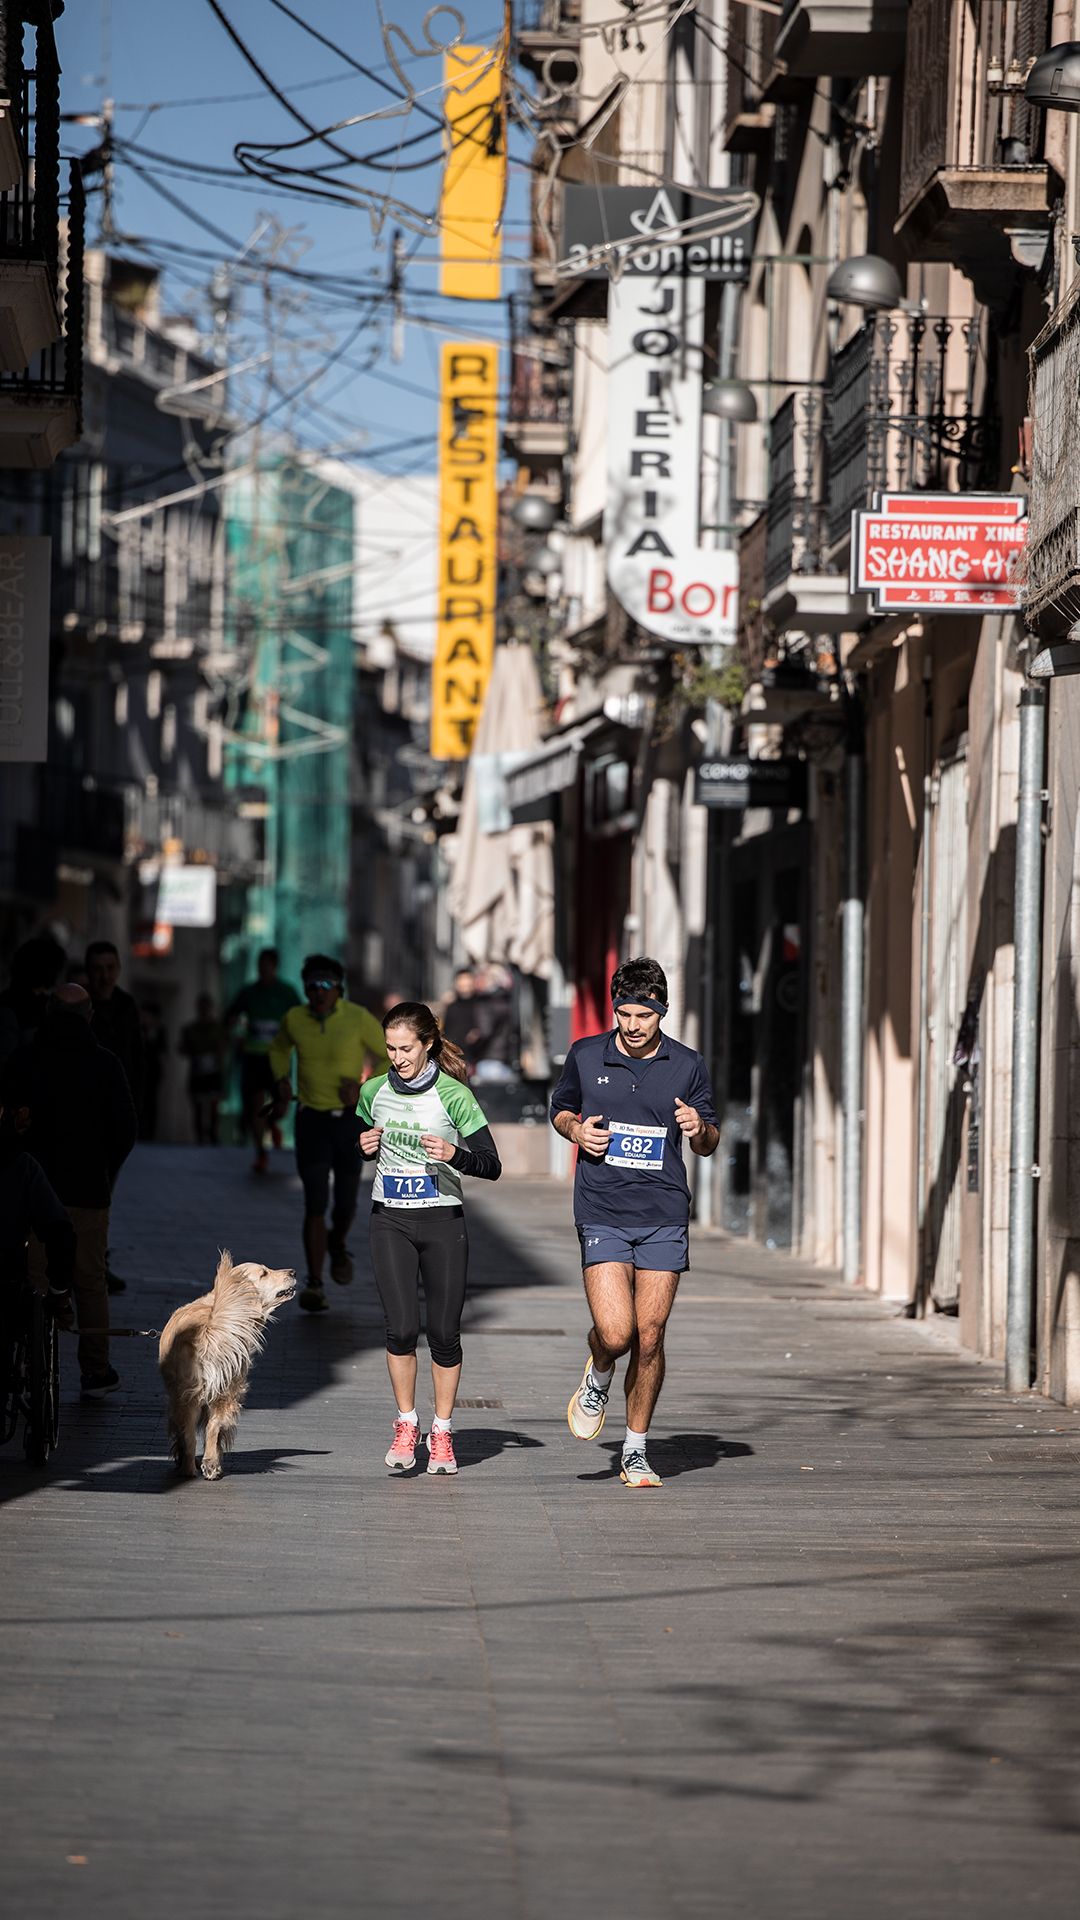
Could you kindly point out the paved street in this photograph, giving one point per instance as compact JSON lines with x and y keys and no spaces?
{"x":833,"y":1668}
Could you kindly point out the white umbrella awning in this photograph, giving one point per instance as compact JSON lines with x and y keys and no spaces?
{"x":502,"y":893}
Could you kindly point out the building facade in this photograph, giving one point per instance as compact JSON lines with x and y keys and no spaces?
{"x":845,"y":954}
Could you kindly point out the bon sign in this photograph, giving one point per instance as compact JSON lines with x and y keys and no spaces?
{"x":939,"y":552}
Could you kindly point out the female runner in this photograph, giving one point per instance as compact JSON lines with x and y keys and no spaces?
{"x":426,"y":1129}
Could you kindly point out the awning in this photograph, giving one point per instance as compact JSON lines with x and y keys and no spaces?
{"x":551,"y":769}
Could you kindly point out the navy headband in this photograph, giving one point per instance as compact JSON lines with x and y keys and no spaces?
{"x":638,"y":1000}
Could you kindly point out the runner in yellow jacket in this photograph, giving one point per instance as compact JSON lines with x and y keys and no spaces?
{"x":338,"y":1045}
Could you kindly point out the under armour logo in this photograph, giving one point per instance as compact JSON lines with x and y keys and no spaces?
{"x":601,"y":1079}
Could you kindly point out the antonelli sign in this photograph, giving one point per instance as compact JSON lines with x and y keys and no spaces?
{"x":637,"y":230}
{"x":939,"y":552}
{"x":667,"y":582}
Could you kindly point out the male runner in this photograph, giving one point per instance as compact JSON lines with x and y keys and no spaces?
{"x":262,"y":1005}
{"x":338,"y":1045}
{"x":627,"y":1100}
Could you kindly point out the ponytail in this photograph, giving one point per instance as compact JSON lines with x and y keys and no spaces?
{"x":422,"y":1023}
{"x":450,"y":1057}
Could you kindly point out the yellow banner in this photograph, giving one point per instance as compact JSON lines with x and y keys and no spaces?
{"x":474,"y":180}
{"x":468,"y":544}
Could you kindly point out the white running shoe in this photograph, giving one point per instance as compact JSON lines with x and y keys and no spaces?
{"x":636,"y":1471}
{"x":588,"y":1408}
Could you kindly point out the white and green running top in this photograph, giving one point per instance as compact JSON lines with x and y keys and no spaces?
{"x":404,"y":1176}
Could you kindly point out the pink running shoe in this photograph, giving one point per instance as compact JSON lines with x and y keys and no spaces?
{"x":441,"y":1451}
{"x":402,"y":1455}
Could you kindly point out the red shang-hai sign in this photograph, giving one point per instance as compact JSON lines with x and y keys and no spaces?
{"x":939,"y":552}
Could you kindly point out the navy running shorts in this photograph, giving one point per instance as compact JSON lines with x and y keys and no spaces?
{"x":660,"y":1249}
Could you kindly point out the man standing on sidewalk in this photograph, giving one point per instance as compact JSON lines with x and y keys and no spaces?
{"x":337,"y":1046}
{"x":262,"y":1006}
{"x":82,"y":1128}
{"x":627,"y":1100}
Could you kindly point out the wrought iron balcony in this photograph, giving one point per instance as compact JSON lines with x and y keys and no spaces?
{"x":30,"y":202}
{"x":538,"y":418}
{"x":973,"y":178}
{"x":902,"y":410}
{"x":845,"y":38}
{"x":1051,"y":564}
{"x":41,"y":403}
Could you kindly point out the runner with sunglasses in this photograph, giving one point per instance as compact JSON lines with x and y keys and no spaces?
{"x":425,"y":1129}
{"x":337,"y":1045}
{"x":628,"y":1100}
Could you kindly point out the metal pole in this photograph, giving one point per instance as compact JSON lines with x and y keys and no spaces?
{"x":851,"y":1015}
{"x":1027,"y":951}
{"x":705,"y":1182}
{"x":923,"y":1098}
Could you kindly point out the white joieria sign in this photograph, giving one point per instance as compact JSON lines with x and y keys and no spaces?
{"x":669,"y":584}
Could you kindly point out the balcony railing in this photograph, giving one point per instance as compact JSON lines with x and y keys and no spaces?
{"x":538,"y":389}
{"x":903,"y":409}
{"x":1051,"y":564}
{"x":794,"y":525}
{"x":56,"y":372}
{"x":968,"y":109}
{"x":972,"y":169}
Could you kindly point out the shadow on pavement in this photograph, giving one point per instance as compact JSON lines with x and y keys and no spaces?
{"x":154,"y":1474}
{"x":673,"y":1454}
{"x":474,"y":1445}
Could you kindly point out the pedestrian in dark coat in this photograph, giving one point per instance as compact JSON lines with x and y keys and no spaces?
{"x":116,"y":1016}
{"x":82,"y":1126}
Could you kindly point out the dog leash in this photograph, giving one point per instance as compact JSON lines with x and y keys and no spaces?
{"x":117,"y":1333}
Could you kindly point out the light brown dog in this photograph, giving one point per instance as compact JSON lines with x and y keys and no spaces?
{"x":205,"y":1357}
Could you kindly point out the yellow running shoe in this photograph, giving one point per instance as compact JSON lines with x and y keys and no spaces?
{"x":588,"y":1408}
{"x":636,"y":1471}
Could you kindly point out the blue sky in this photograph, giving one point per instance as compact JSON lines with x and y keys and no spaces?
{"x":173,"y":72}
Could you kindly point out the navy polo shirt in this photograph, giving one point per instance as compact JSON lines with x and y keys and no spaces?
{"x":642,"y":1180}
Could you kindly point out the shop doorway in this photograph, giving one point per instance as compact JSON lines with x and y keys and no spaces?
{"x":766,"y":1028}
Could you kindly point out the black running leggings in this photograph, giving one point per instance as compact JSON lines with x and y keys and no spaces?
{"x":414,"y":1247}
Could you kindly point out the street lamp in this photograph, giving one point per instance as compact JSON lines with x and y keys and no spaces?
{"x":867,"y":281}
{"x":1054,"y":80}
{"x":1056,"y":662}
{"x":534,"y":513}
{"x":730,"y":400}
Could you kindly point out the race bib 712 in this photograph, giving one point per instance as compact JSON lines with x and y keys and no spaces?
{"x":409,"y":1189}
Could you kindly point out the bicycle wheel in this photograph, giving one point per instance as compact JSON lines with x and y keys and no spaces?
{"x":43,"y":1378}
{"x":12,"y":1354}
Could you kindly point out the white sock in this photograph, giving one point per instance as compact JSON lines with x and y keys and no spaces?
{"x":413,"y":1416}
{"x":601,"y":1380}
{"x":634,"y":1442}
{"x":441,"y":1426}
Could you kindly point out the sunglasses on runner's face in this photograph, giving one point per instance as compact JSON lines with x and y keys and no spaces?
{"x":319,"y":986}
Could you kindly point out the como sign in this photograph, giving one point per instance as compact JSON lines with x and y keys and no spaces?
{"x":939,"y":552}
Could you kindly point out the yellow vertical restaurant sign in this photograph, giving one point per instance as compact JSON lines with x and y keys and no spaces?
{"x":468,"y":543}
{"x":474,"y":178}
